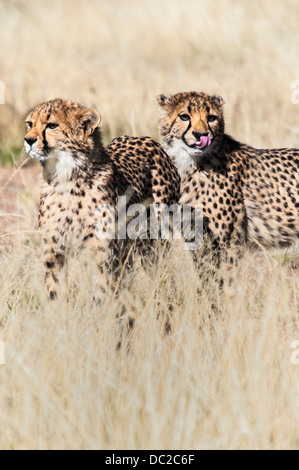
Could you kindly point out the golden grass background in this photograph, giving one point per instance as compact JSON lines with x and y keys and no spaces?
{"x":223,"y":377}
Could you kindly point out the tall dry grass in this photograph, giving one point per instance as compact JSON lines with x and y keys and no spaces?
{"x":222,"y":378}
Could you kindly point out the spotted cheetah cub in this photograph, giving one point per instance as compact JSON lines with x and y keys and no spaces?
{"x":82,"y":181}
{"x":244,"y":192}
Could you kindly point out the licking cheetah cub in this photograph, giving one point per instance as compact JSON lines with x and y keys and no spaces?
{"x":82,"y":182}
{"x":245,"y":193}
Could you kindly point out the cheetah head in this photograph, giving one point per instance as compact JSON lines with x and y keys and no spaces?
{"x":191,"y":126}
{"x":60,"y":131}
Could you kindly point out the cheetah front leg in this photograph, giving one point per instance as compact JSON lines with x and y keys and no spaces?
{"x":53,"y":264}
{"x":100,"y":256}
{"x":165,"y":180}
{"x":165,"y":190}
{"x":232,"y":249}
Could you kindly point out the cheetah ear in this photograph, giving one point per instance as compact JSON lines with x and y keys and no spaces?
{"x":90,"y":119}
{"x":162,"y":100}
{"x":218,"y":100}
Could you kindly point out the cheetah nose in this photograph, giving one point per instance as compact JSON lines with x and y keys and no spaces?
{"x":198,"y":135}
{"x":30,"y":141}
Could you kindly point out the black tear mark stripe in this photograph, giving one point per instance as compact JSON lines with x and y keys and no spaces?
{"x":183,"y":136}
{"x":45,"y":143}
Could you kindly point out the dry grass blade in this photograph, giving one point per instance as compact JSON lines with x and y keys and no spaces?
{"x":222,"y":378}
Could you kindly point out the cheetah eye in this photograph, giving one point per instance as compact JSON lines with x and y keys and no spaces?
{"x":212,"y":118}
{"x":184,"y":117}
{"x":51,"y":125}
{"x":29,"y":124}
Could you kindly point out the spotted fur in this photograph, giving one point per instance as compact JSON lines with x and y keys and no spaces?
{"x":245,"y":193}
{"x":82,"y":182}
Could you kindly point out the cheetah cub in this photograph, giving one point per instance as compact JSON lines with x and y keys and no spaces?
{"x":81,"y":183}
{"x":245,"y":193}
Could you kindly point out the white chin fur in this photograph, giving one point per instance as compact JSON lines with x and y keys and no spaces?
{"x":185,"y":158}
{"x":59,"y":165}
{"x":33,"y":153}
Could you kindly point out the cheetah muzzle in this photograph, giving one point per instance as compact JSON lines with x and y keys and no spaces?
{"x":245,"y":193}
{"x":82,"y":182}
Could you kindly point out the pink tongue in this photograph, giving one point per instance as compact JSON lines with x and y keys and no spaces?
{"x":204,"y":142}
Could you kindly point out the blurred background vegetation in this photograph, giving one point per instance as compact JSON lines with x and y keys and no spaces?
{"x":222,"y":378}
{"x":118,"y":55}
